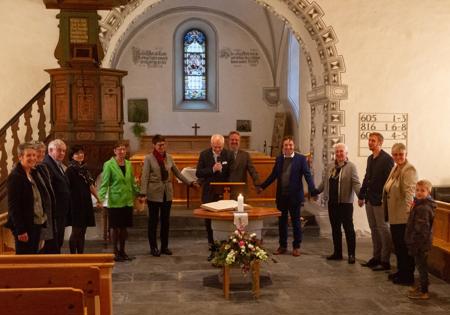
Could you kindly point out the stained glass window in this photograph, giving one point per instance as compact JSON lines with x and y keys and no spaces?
{"x":194,"y":44}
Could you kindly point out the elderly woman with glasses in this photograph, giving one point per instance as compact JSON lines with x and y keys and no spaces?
{"x":398,"y":194}
{"x":339,"y":186}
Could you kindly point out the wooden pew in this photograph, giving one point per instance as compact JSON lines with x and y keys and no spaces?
{"x":83,"y":278}
{"x":42,"y":301}
{"x":104,"y":262}
{"x":439,"y":256}
{"x":7,"y":244}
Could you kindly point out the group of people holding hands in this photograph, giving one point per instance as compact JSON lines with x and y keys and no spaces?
{"x":45,"y":196}
{"x":399,"y":210}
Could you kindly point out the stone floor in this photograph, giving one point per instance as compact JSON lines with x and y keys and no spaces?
{"x":186,"y":283}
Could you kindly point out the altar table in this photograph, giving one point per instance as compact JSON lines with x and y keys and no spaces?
{"x":222,"y":221}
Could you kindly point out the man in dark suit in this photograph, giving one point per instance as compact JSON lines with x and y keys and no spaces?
{"x":213,"y":166}
{"x":242,"y":162}
{"x":61,"y":187}
{"x":289,"y":169}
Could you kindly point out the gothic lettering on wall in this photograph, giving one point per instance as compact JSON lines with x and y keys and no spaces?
{"x":239,"y":57}
{"x":150,"y":58}
{"x":393,"y":127}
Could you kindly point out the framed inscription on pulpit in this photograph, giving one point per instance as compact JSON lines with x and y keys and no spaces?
{"x":78,"y":30}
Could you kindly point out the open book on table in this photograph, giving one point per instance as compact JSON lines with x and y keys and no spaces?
{"x":222,"y":205}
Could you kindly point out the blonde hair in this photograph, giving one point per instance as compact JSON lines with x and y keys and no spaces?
{"x":398,"y":147}
{"x":425,"y":183}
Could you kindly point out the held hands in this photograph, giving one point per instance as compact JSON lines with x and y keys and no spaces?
{"x":195,"y":185}
{"x":217,"y":167}
{"x":258,"y":189}
{"x":360,"y":202}
{"x":23,"y":237}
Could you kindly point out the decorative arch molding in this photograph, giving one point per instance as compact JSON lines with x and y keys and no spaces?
{"x":318,"y":43}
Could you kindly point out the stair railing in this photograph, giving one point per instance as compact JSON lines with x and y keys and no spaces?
{"x":25,"y":126}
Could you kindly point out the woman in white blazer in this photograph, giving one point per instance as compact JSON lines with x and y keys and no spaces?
{"x":156,"y":185}
{"x":398,"y":193}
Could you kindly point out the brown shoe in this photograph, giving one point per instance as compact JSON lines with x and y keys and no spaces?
{"x":296,"y":252}
{"x":280,"y":251}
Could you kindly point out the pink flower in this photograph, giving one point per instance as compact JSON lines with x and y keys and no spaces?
{"x":241,"y":243}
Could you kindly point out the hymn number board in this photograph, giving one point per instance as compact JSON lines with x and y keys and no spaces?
{"x":393,"y":127}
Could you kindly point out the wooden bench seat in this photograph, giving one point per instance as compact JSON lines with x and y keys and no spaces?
{"x":85,"y":278}
{"x":42,"y":301}
{"x":97,"y":266}
{"x":439,"y":256}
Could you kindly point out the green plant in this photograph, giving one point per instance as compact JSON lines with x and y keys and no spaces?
{"x":138,"y":129}
{"x":241,"y":249}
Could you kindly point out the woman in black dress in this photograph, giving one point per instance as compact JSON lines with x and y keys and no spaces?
{"x":81,"y":188}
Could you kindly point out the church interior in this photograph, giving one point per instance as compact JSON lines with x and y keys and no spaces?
{"x":324,"y":71}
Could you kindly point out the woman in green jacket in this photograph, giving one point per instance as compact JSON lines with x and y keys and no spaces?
{"x":119,"y":187}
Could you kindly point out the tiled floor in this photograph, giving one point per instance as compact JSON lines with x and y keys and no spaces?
{"x":186,"y":283}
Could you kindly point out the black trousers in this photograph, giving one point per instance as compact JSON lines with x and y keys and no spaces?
{"x":341,"y":214}
{"x":60,"y":228}
{"x":405,"y":262}
{"x":209,"y":231}
{"x":292,"y":210}
{"x":32,"y":246}
{"x":159,"y":211}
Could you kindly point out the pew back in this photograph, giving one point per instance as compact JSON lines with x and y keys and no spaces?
{"x":439,"y":256}
{"x":42,"y":301}
{"x":104,"y":263}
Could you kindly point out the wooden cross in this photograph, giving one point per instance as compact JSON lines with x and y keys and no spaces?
{"x":195,"y":127}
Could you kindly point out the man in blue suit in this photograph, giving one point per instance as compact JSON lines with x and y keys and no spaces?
{"x":288,"y":170}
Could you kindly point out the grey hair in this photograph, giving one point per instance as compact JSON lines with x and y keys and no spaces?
{"x":24,"y":146}
{"x":217,"y":137}
{"x":398,"y":147}
{"x":38,"y":145}
{"x":341,"y":145}
{"x":57,"y":143}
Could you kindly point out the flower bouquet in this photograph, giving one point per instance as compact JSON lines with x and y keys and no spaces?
{"x":241,"y":249}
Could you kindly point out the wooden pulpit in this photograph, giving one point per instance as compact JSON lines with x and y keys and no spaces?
{"x":225,"y":188}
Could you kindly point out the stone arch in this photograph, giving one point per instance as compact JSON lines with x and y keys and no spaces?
{"x":318,"y":43}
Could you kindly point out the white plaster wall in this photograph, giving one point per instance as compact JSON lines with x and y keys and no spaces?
{"x":29,"y":37}
{"x":240,"y":88}
{"x":395,"y":55}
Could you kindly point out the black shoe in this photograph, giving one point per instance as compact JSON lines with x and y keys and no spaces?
{"x":393,"y":275}
{"x":382,"y":267}
{"x":351,"y":259}
{"x":155,"y":252}
{"x":402,"y":281}
{"x":334,"y":257}
{"x":119,"y":258}
{"x":166,"y":251}
{"x":211,"y":256}
{"x":371,"y":263}
{"x":126,"y":257}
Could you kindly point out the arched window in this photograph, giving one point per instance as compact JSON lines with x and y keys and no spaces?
{"x":195,"y":66}
{"x":293,"y":79}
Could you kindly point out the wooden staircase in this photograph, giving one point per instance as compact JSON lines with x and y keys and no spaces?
{"x":32,"y":122}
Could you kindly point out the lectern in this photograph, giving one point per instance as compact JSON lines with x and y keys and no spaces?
{"x":226,"y":188}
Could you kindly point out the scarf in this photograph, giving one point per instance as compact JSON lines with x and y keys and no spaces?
{"x":160,"y":158}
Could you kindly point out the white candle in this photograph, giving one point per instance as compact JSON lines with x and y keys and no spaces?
{"x":240,"y":200}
